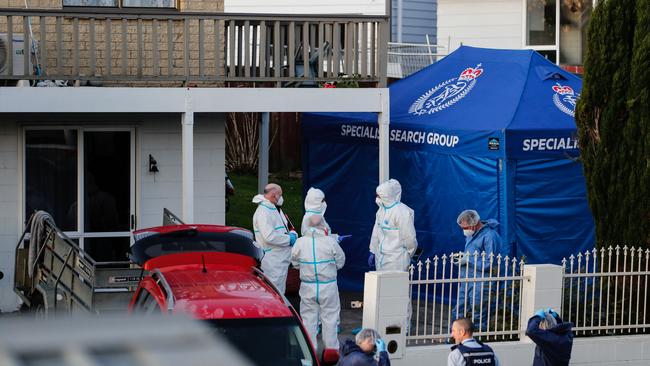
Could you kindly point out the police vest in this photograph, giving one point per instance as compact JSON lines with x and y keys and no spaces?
{"x":483,"y":356}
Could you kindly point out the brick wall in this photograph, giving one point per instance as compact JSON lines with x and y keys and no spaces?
{"x":213,"y":66}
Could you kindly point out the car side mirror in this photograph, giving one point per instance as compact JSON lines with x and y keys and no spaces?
{"x":330,"y":357}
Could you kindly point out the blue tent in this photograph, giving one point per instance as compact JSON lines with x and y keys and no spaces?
{"x":487,"y":129}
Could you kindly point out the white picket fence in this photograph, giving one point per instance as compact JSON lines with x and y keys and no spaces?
{"x":606,"y":291}
{"x":481,"y":286}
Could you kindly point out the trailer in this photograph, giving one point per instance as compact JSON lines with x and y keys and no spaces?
{"x":54,"y":274}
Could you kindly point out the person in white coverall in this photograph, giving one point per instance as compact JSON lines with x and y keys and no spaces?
{"x":318,"y":256}
{"x":272,"y":234}
{"x":315,"y":205}
{"x":393,"y":240}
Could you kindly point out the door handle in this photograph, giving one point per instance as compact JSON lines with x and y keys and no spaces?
{"x":132,"y":222}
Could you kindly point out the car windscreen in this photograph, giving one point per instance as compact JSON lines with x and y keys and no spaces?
{"x":193,"y":240}
{"x":267,"y":342}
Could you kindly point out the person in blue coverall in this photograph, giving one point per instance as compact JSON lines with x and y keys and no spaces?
{"x":368,"y":349}
{"x":554,"y":338}
{"x":481,"y":236}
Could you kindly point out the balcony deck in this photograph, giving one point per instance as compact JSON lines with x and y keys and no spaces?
{"x":164,"y":48}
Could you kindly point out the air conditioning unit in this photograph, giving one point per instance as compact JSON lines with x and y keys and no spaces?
{"x":18,"y":54}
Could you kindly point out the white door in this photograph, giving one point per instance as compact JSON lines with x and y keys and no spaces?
{"x":85,"y":178}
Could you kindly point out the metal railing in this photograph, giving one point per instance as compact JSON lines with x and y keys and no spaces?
{"x":481,"y":286}
{"x":405,"y":59}
{"x":196,"y":47}
{"x":606,"y":291}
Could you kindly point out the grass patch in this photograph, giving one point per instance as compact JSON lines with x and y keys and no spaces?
{"x":242,"y":208}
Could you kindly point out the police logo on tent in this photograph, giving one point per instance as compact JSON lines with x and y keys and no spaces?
{"x":493,"y":143}
{"x":446,"y":93}
{"x":565,"y":98}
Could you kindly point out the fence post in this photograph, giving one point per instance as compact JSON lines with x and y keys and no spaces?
{"x":542,"y":288}
{"x":385,"y":301}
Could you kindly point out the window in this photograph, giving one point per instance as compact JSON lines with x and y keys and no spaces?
{"x":557,"y":28}
{"x":85,"y":179}
{"x":284,"y":342}
{"x":540,"y":22}
{"x":123,"y":3}
{"x":146,"y":304}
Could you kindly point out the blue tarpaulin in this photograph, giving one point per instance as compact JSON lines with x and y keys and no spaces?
{"x":491,"y":130}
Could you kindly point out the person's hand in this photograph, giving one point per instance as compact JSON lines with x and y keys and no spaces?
{"x":371,"y":261}
{"x":552,"y":312}
{"x":381,"y":345}
{"x":540,"y":313}
{"x":343,"y":237}
{"x":293,"y":236}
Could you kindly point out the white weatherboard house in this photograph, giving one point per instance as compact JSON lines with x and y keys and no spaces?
{"x":555,"y":28}
{"x":149,"y":133}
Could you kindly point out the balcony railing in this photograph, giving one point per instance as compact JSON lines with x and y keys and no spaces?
{"x":158,"y":46}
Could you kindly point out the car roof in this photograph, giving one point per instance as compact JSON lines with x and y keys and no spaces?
{"x":223,"y":292}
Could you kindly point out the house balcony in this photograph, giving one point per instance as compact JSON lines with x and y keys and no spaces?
{"x":161,"y":48}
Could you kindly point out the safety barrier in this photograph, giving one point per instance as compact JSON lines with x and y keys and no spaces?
{"x":405,"y":59}
{"x":606,"y":291}
{"x":153,"y":46}
{"x":481,"y":286}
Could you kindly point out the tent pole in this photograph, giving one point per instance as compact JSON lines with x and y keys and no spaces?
{"x":263,"y":162}
{"x":384,"y":130}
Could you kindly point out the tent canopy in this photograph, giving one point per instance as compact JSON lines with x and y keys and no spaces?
{"x":487,"y":129}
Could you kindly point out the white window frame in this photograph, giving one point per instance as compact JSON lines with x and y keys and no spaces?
{"x":80,"y":233}
{"x":556,"y":46}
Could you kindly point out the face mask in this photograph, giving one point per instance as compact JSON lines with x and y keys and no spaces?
{"x":280,"y":201}
{"x":468,"y":233}
{"x":378,"y":201}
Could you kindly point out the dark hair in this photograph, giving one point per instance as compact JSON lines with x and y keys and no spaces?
{"x":466,"y":324}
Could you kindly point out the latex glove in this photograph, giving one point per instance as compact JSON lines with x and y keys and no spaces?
{"x":343,"y":237}
{"x":552,"y":312}
{"x":371,"y":261}
{"x":540,"y":313}
{"x":381,"y":345}
{"x":293,"y":236}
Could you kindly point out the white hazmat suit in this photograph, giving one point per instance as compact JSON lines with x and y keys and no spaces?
{"x":271,"y":231}
{"x":318,"y":257}
{"x":315,"y":205}
{"x":393,"y":240}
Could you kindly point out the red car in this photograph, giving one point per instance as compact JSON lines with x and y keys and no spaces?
{"x":210,"y":272}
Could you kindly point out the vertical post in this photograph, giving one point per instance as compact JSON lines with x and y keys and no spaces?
{"x":187,"y":152}
{"x":542,"y":288}
{"x":385,"y":302}
{"x":399,"y":20}
{"x":384,"y":131}
{"x":263,"y":163}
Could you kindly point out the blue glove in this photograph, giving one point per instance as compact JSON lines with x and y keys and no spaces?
{"x":381,"y":345}
{"x":343,"y":237}
{"x":540,"y":313}
{"x":552,"y":312}
{"x":371,"y":261}
{"x":292,"y":237}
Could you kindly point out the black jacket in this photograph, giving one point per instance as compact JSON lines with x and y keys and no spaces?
{"x":352,"y":355}
{"x":553,"y":345}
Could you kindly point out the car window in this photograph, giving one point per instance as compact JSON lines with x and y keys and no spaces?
{"x":143,"y":295}
{"x":267,"y":342}
{"x":192,"y":240}
{"x":146,"y":303}
{"x":151,"y":306}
